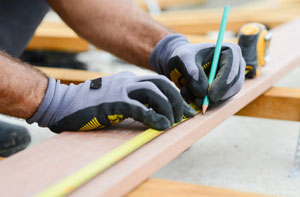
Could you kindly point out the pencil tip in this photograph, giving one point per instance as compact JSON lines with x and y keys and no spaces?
{"x":204,"y":108}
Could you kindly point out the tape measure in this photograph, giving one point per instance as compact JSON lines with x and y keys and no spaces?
{"x":83,"y":175}
{"x":254,"y":40}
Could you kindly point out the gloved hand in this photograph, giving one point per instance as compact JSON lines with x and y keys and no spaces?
{"x":108,"y":100}
{"x":188,"y":66}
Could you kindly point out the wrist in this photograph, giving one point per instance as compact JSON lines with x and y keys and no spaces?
{"x":163,"y":50}
{"x":36,"y":95}
{"x":49,"y":103}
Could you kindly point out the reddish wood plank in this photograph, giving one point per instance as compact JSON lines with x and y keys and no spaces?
{"x":40,"y":166}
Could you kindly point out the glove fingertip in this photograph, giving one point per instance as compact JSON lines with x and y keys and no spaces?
{"x":178,"y":119}
{"x":199,"y":88}
{"x":188,"y":111}
{"x":199,"y":102}
{"x":186,"y":93}
{"x":162,"y":124}
{"x":214,"y":95}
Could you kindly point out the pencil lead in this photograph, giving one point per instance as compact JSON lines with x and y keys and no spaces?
{"x":204,"y":108}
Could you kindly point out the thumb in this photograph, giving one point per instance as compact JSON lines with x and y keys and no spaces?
{"x":185,"y":72}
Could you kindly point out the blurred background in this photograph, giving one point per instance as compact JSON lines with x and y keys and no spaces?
{"x":246,"y":154}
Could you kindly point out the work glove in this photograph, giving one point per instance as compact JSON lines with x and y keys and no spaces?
{"x":108,"y":100}
{"x":188,"y":66}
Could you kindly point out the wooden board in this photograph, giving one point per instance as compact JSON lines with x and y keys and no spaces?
{"x":163,"y":4}
{"x":288,"y":3}
{"x":202,"y":39}
{"x":57,"y":36}
{"x":202,"y":21}
{"x":167,"y":188}
{"x":40,"y":166}
{"x":68,"y":76}
{"x":277,"y":103}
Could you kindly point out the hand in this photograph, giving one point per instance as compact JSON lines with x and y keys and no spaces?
{"x":188,"y":66}
{"x":108,"y":100}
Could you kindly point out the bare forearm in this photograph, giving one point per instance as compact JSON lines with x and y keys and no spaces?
{"x":117,"y":26}
{"x":22,"y":87}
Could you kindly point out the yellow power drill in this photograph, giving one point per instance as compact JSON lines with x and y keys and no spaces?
{"x":254,"y":39}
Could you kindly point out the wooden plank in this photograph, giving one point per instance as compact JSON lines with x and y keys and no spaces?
{"x":289,"y":3}
{"x":276,"y":103}
{"x":202,"y":21}
{"x":68,"y":76}
{"x":163,"y":4}
{"x":57,"y":36}
{"x":54,"y":159}
{"x":166,"y":188}
{"x":202,"y":39}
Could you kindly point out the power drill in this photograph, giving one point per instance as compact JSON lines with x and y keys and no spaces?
{"x":254,"y":39}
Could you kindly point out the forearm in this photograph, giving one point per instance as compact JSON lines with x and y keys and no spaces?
{"x":22,"y":87}
{"x":117,"y":26}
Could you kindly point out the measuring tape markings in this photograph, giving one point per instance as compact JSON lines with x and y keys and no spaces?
{"x":83,"y":175}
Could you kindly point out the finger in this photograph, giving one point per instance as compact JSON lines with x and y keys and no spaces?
{"x":237,"y":85}
{"x":148,"y":94}
{"x":117,"y":111}
{"x":227,"y":75}
{"x":199,"y":88}
{"x":187,"y":94}
{"x":193,"y":77}
{"x":171,"y":93}
{"x":199,"y":102}
{"x":92,"y":118}
{"x":179,"y":106}
{"x":188,"y":111}
{"x":149,"y":117}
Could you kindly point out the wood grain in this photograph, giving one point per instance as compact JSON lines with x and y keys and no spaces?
{"x":42,"y":165}
{"x":276,"y":103}
{"x":166,"y":188}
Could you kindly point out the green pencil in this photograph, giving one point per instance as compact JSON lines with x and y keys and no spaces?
{"x":217,"y":52}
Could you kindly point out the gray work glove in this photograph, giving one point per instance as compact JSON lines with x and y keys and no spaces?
{"x":108,"y":100}
{"x":188,"y":66}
